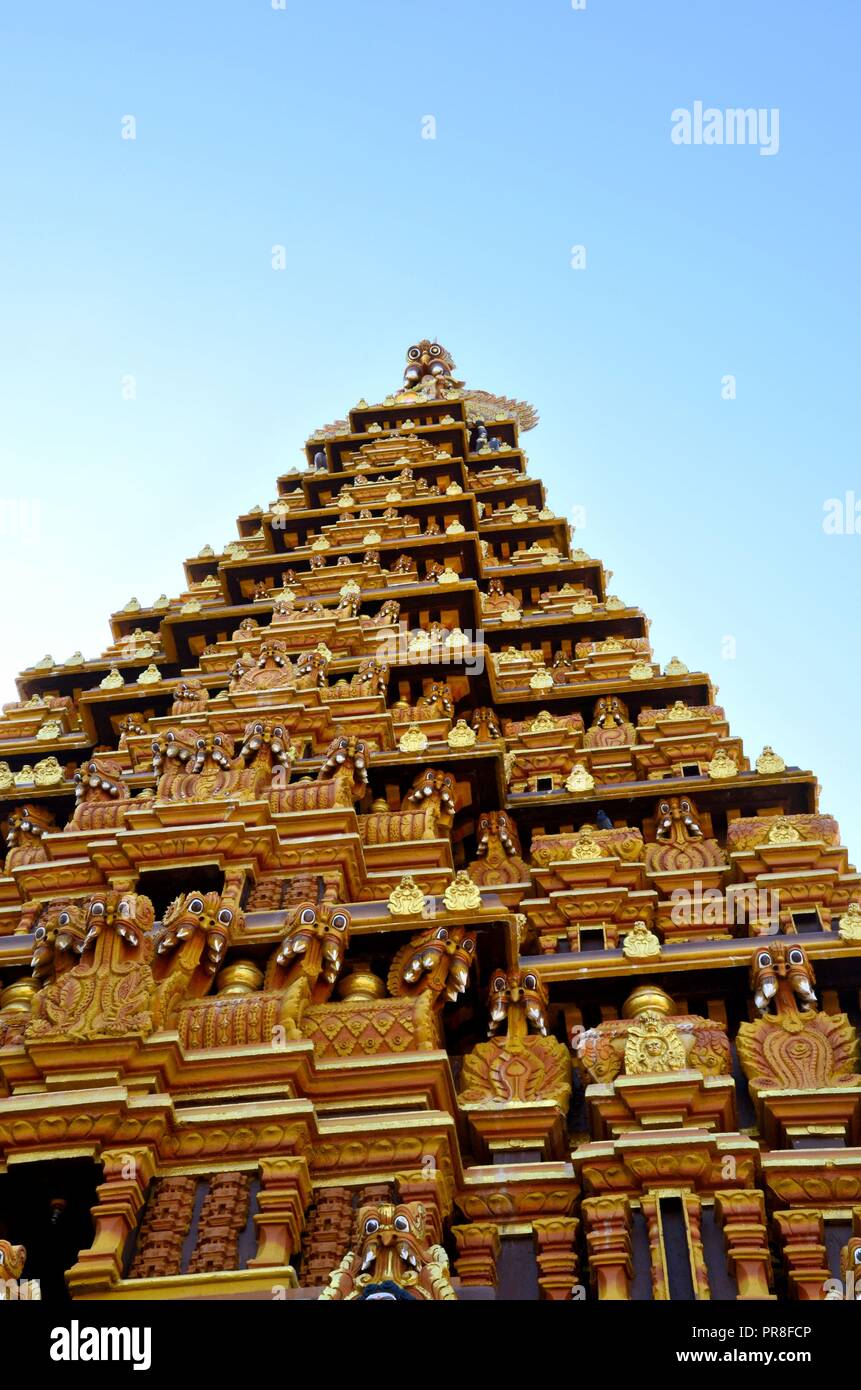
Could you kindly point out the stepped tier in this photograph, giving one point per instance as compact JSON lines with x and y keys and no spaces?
{"x":382,"y":880}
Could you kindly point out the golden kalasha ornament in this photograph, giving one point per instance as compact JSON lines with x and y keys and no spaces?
{"x":640,"y":943}
{"x":461,"y":736}
{"x":414,"y":740}
{"x":769,"y":763}
{"x":722,"y":765}
{"x":462,"y":895}
{"x":579,"y":779}
{"x":407,"y":900}
{"x":849,"y":925}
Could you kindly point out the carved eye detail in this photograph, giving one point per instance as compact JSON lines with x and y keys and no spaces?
{"x":686,"y":807}
{"x":372,"y":1225}
{"x":414,"y":354}
{"x":40,"y":933}
{"x":225,"y":916}
{"x":97,"y":910}
{"x":763,"y":960}
{"x":308,"y":917}
{"x":196,"y":906}
{"x":124,"y":909}
{"x":62,"y":921}
{"x":856,"y":1255}
{"x":664,"y":808}
{"x":468,"y":945}
{"x":530,"y":981}
{"x":435,"y":351}
{"x":499,"y":984}
{"x":258,"y":728}
{"x":401,"y":1223}
{"x":201,"y":743}
{"x":796,"y":957}
{"x":442,"y":934}
{"x":339,"y":921}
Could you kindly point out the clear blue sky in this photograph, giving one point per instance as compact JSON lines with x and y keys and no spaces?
{"x":302,"y":127}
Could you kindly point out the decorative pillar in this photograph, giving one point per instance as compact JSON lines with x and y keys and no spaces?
{"x":608,"y":1238}
{"x":121,"y":1196}
{"x":558,"y":1263}
{"x":651,"y":1209}
{"x":693,"y":1208}
{"x":741,"y":1217}
{"x":281,"y":1204}
{"x":327,"y":1234}
{"x":478,"y":1247}
{"x":802,"y":1236}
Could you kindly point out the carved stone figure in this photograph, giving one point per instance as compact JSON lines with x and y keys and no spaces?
{"x":392,"y":1259}
{"x":427,"y":812}
{"x":108,"y":993}
{"x":438,"y":960}
{"x":499,"y":857}
{"x":26,"y":826}
{"x":100,"y":795}
{"x":341,"y":781}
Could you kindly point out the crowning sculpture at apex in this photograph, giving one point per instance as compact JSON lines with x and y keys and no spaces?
{"x":379,"y":903}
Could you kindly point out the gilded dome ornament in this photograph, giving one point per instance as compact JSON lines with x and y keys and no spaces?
{"x":511,"y":615}
{"x":52,"y":728}
{"x":783,"y":832}
{"x":448,"y":576}
{"x":641,"y":671}
{"x":674,"y":667}
{"x":112,"y":681}
{"x":722,"y":765}
{"x":849,"y":925}
{"x":24,"y":778}
{"x":462,"y":895}
{"x":76,"y":659}
{"x":457,"y":638}
{"x":46,"y":664}
{"x":455,"y":528}
{"x":133,"y":606}
{"x":679,"y":711}
{"x":579,"y":779}
{"x":6,"y":776}
{"x":640,"y":943}
{"x":613,"y":603}
{"x":585,"y":848}
{"x":407,"y":900}
{"x":582,"y":606}
{"x":461,"y":736}
{"x":542,"y":680}
{"x":414,"y":740}
{"x":453,"y":490}
{"x":206,"y":553}
{"x":518,"y":516}
{"x":151,"y":676}
{"x":320,"y":544}
{"x":192,"y":605}
{"x":161,"y":602}
{"x":543,"y":723}
{"x":370,"y":538}
{"x":769,"y":762}
{"x":653,"y":1046}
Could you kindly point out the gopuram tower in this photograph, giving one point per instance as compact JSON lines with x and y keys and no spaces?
{"x":378,"y":920}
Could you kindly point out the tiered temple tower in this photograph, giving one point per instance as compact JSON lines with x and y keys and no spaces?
{"x":380,"y":921}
